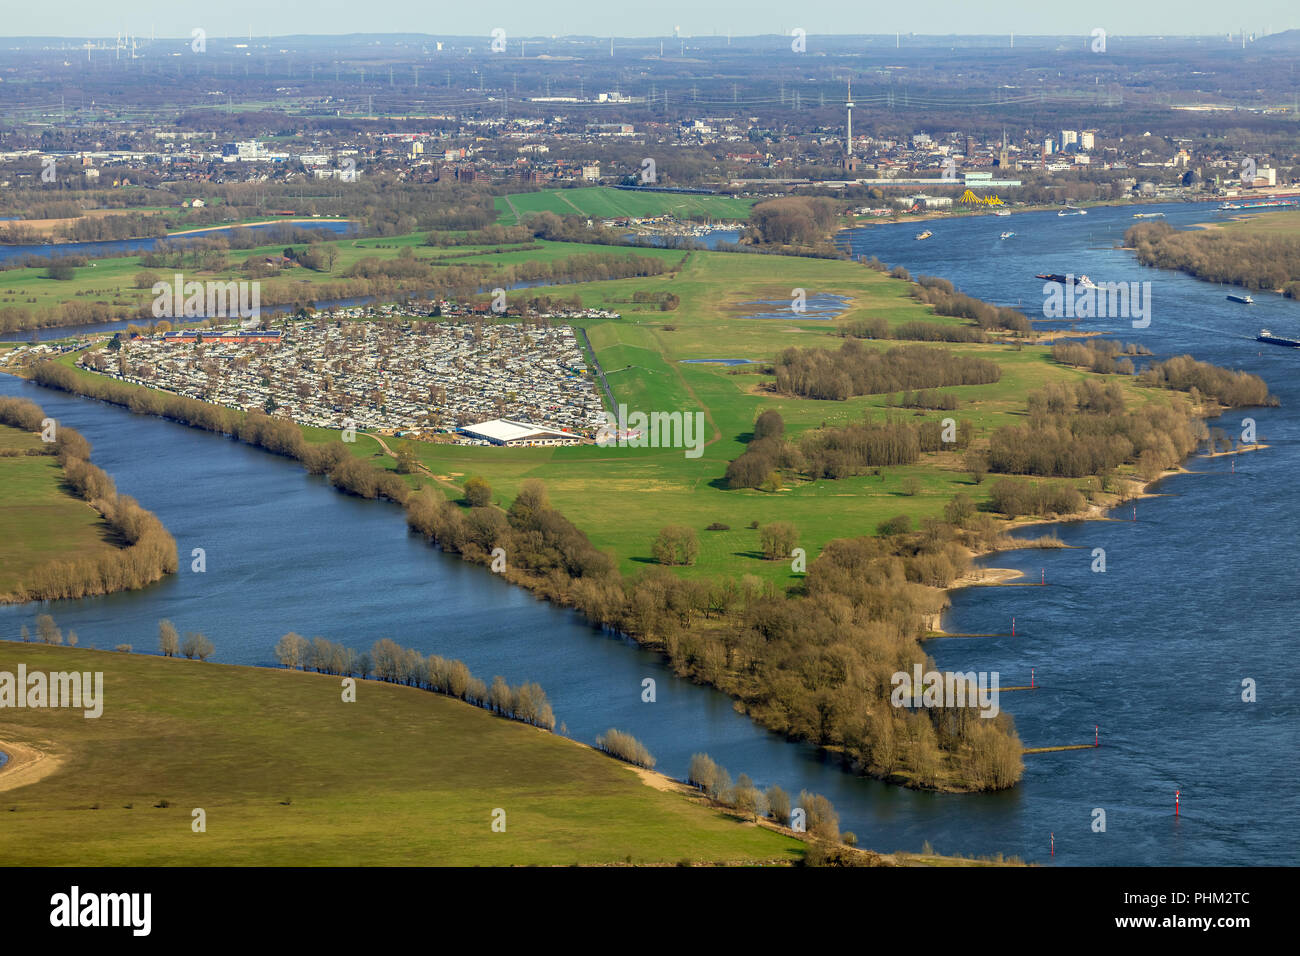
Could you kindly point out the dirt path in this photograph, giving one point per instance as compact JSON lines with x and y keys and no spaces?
{"x":424,"y":470}
{"x":26,"y":765}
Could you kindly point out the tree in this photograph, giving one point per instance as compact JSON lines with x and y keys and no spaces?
{"x":676,"y":544}
{"x":778,"y":540}
{"x":26,"y":634}
{"x":778,"y":802}
{"x":291,"y":650}
{"x":169,"y":642}
{"x":47,"y":632}
{"x":72,"y":638}
{"x":196,"y":645}
{"x":703,"y":772}
{"x":769,"y":424}
{"x":959,"y":510}
{"x":407,"y":463}
{"x":478,"y":492}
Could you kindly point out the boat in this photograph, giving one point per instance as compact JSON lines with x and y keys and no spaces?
{"x":1260,"y":204}
{"x":1243,"y":299}
{"x":1270,"y":339}
{"x":1071,"y":211}
{"x":1071,"y":279}
{"x":1006,"y":235}
{"x":1002,"y":212}
{"x":1148,"y":215}
{"x":924,"y":235}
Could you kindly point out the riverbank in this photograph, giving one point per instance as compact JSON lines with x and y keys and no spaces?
{"x":64,"y":529}
{"x":1134,"y":491}
{"x":284,"y":802}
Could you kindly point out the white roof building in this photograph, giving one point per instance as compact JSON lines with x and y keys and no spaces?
{"x":506,"y":431}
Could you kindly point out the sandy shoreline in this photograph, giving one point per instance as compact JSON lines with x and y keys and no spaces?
{"x":1136,"y":490}
{"x":26,"y":765}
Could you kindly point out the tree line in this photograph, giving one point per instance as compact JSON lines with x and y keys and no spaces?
{"x":1234,"y":256}
{"x":389,"y":661}
{"x":813,"y":667}
{"x":854,"y":370}
{"x":145,"y":550}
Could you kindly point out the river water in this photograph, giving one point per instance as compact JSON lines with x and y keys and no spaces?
{"x":1195,"y":599}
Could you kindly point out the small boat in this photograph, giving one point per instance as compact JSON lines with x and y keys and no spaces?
{"x":1243,"y":299}
{"x":1071,"y":211}
{"x":1006,"y":235}
{"x":1148,"y":215}
{"x":1001,"y":212}
{"x":924,"y":235}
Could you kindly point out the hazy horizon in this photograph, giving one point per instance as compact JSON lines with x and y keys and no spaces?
{"x":167,"y":19}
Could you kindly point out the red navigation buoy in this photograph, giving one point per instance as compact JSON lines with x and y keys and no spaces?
{"x":1044,"y":580}
{"x":1013,"y":627}
{"x":1053,"y":844}
{"x":1031,"y":678}
{"x":1096,"y":735}
{"x":1177,"y":793}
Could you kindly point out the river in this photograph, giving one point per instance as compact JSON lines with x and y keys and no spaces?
{"x":1154,"y":651}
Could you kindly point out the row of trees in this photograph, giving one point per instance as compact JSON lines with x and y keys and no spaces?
{"x":624,"y":746}
{"x":145,"y":552}
{"x":194,"y":645}
{"x":878,"y":327}
{"x":389,"y":661}
{"x":844,"y":451}
{"x":276,"y":435}
{"x":855,"y":370}
{"x":946,"y":300}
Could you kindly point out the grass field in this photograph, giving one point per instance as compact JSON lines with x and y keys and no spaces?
{"x":605,"y":202}
{"x":40,"y":519}
{"x":289,"y":774}
{"x":1276,"y":222}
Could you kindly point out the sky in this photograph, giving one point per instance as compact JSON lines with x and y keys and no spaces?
{"x":642,"y":18}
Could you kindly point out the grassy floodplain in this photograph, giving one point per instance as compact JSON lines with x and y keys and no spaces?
{"x":40,"y":519}
{"x":621,"y":497}
{"x":289,"y":774}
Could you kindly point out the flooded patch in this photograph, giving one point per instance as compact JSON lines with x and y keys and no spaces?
{"x":822,"y":306}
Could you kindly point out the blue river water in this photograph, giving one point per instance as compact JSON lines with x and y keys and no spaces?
{"x":1196,"y":598}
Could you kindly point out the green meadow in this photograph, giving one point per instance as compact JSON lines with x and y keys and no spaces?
{"x":287,"y":773}
{"x":40,"y":519}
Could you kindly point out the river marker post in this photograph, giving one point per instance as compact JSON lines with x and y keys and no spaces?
{"x":1096,"y":735}
{"x":1177,"y":793}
